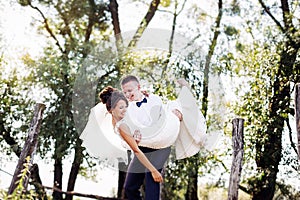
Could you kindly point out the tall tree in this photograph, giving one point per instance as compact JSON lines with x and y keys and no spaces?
{"x":192,"y":187}
{"x":72,"y":27}
{"x":274,"y":69}
{"x":269,"y":152}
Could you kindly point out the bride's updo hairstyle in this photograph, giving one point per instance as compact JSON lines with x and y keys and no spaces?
{"x":110,"y":97}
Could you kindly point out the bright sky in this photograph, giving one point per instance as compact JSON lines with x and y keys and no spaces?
{"x":19,"y":36}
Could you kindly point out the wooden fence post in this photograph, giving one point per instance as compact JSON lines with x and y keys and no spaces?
{"x":238,"y":153}
{"x":29,"y":147}
{"x":297,"y":111}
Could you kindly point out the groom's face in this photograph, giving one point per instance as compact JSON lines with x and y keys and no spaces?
{"x":132,"y":91}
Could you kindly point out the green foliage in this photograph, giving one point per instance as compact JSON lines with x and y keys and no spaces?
{"x":231,"y":31}
{"x":24,"y":2}
{"x":286,"y":191}
{"x":211,"y":192}
{"x":257,"y":70}
{"x":15,"y":107}
{"x":165,"y":3}
{"x":75,"y":28}
{"x":159,"y":71}
{"x":235,"y":7}
{"x":57,"y":69}
{"x":178,"y":172}
{"x":175,"y":182}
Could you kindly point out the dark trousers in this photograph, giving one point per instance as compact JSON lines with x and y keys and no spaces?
{"x":137,"y":173}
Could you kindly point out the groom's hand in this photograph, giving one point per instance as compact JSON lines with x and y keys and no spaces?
{"x":137,"y":136}
{"x":178,"y":114}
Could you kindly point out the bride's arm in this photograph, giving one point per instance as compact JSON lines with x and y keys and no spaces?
{"x":125,"y":134}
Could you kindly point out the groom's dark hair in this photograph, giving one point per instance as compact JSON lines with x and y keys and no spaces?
{"x":129,"y":78}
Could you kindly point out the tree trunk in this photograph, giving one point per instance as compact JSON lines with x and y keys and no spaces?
{"x":78,"y":158}
{"x":29,"y":148}
{"x":37,"y":182}
{"x":113,"y":7}
{"x":209,"y":56}
{"x":192,"y":190}
{"x":58,"y":173}
{"x":238,"y":153}
{"x":144,"y":23}
{"x":17,"y":150}
{"x":268,"y":157}
{"x":297,"y":111}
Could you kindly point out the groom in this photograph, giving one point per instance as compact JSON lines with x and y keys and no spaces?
{"x":144,"y":111}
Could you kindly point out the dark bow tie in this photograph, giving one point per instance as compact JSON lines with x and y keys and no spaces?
{"x":140,"y":102}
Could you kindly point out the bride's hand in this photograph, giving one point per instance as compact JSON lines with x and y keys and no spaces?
{"x":157,"y":176}
{"x":178,"y":114}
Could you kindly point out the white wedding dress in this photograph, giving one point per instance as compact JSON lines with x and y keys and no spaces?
{"x":188,"y":136}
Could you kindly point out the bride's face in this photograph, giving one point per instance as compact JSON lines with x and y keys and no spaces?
{"x":119,"y":111}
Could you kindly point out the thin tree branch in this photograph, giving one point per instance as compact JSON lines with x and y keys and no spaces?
{"x":288,"y":27}
{"x":91,"y":21}
{"x":171,"y":41}
{"x":144,"y":23}
{"x":267,"y":10}
{"x":286,"y":14}
{"x":223,"y":165}
{"x":113,"y":7}
{"x":163,"y":72}
{"x":79,"y":194}
{"x":293,"y":145}
{"x":66,"y":29}
{"x":209,"y":56}
{"x":48,"y":27}
{"x":244,"y":189}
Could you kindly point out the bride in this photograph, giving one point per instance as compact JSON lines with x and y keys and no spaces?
{"x":187,"y":136}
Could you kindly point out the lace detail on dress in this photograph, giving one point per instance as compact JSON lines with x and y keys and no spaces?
{"x":116,"y":129}
{"x":117,"y":126}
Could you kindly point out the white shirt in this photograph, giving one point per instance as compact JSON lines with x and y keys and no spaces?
{"x":155,"y":121}
{"x":148,"y":113}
